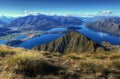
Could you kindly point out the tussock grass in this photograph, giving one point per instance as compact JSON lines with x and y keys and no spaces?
{"x":53,"y":54}
{"x":19,"y":63}
{"x":74,"y":56}
{"x":4,"y":53}
{"x":115,"y":64}
{"x":6,"y":50}
{"x":101,"y":57}
{"x":115,"y":57}
{"x":31,"y":64}
{"x":90,"y":67}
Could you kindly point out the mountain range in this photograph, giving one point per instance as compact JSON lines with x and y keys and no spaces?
{"x":69,"y":55}
{"x":44,"y":22}
{"x":110,"y":25}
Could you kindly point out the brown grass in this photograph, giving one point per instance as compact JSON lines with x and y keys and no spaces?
{"x":16,"y":63}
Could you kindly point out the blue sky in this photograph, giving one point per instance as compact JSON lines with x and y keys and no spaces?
{"x":60,"y":7}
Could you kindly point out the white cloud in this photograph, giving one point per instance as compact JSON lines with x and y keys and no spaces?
{"x":30,"y":13}
{"x":26,"y":13}
{"x":35,"y":13}
{"x":105,"y":12}
{"x":101,"y":13}
{"x":102,"y":34}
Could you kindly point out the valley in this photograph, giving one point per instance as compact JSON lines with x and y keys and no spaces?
{"x":24,"y":36}
{"x":64,"y":48}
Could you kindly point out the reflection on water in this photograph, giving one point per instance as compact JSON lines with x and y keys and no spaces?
{"x":19,"y":37}
{"x":3,"y":41}
{"x":57,"y":29}
{"x":99,"y":36}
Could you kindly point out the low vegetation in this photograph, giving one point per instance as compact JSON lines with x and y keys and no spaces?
{"x":8,"y":37}
{"x":101,"y":57}
{"x":18,"y":63}
{"x":31,"y":64}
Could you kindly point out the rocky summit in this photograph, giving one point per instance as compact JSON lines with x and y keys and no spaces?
{"x":71,"y":42}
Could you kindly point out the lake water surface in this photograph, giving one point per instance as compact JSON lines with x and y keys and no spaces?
{"x":43,"y":39}
{"x":98,"y":37}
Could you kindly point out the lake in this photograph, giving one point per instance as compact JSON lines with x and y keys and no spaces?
{"x":99,"y":37}
{"x":96,"y":36}
{"x":36,"y":41}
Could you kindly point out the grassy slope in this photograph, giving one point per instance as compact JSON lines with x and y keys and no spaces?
{"x":8,"y":37}
{"x":18,"y":63}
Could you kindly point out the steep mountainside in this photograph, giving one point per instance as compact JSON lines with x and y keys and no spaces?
{"x":110,"y":25}
{"x":43,"y":22}
{"x":71,"y":42}
{"x":2,"y":23}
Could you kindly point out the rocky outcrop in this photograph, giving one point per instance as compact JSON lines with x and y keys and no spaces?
{"x":71,"y":42}
{"x":110,"y":25}
{"x":111,"y":47}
